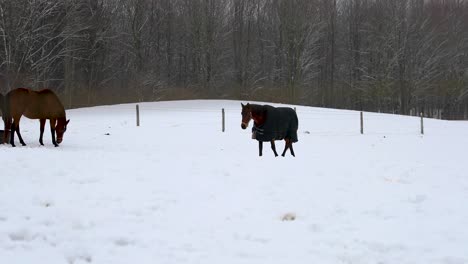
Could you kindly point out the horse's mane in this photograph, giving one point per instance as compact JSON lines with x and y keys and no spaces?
{"x":257,"y":109}
{"x":258,"y":113}
{"x":53,"y":95}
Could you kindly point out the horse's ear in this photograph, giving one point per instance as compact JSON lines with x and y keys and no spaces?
{"x":242,"y":105}
{"x":68,"y":121}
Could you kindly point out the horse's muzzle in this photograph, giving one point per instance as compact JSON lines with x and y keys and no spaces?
{"x":244,"y":126}
{"x":59,"y":140}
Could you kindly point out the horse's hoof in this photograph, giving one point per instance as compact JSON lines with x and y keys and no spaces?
{"x":56,"y":145}
{"x":23,"y":144}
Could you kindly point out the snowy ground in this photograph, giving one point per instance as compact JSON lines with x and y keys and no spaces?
{"x":178,"y":190}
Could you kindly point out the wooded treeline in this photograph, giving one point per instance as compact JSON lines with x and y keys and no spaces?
{"x":402,"y":56}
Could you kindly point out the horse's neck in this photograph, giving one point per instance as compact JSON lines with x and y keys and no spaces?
{"x":258,"y":115}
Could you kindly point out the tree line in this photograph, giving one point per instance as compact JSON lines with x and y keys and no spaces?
{"x":400,"y":56}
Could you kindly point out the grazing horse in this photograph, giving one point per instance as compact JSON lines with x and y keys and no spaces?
{"x":270,"y":124}
{"x":40,"y":105}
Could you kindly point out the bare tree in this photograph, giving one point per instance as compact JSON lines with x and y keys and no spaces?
{"x":401,"y":56}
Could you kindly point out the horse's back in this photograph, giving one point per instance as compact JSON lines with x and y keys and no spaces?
{"x":17,"y":100}
{"x":35,"y":104}
{"x":18,"y":92}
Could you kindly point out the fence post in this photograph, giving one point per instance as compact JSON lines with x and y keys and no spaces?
{"x":137,"y":115}
{"x":422,"y":124}
{"x":362,"y":123}
{"x":223,"y":123}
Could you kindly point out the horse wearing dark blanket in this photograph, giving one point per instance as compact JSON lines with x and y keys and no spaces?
{"x":270,"y":124}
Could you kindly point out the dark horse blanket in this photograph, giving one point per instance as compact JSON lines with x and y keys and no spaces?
{"x":280,"y":123}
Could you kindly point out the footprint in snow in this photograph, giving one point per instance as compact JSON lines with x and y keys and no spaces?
{"x":21,"y":235}
{"x":123,"y":242}
{"x":79,"y":259}
{"x":417,"y":199}
{"x":288,"y":217}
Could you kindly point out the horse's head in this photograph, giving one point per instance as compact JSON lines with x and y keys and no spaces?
{"x":246,"y":115}
{"x":60,"y":129}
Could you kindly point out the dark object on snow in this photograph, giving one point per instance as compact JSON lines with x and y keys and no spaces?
{"x":270,"y":124}
{"x":42,"y":105}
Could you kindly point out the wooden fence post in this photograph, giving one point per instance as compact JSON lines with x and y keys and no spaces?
{"x":422,"y":124}
{"x":362,"y":123}
{"x":137,"y":115}
{"x":223,"y":120}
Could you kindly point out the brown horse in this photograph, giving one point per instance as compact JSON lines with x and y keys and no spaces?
{"x":270,"y":124}
{"x":40,"y":105}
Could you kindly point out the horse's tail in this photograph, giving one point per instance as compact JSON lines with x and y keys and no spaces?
{"x":294,"y":125}
{"x":297,"y":119}
{"x":6,"y":115}
{"x":3,"y":106}
{"x":1,"y":103}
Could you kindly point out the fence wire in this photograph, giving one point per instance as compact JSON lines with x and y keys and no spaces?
{"x":323,"y":122}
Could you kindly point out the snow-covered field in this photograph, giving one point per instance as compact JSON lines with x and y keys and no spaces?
{"x":178,"y":190}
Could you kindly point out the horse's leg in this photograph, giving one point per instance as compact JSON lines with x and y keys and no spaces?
{"x":52,"y":130}
{"x":273,"y":147}
{"x":18,"y":132}
{"x":12,"y":133}
{"x":42,"y":125}
{"x":291,"y":148}
{"x":260,"y":147}
{"x":286,"y":146}
{"x":6,"y":129}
